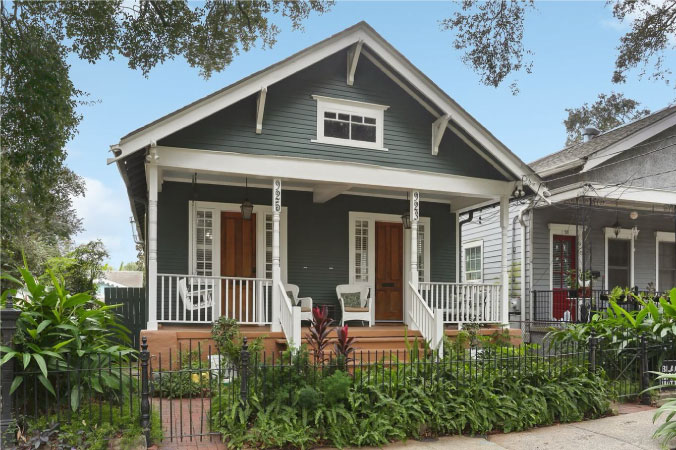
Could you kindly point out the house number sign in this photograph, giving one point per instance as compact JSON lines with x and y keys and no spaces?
{"x":415,"y":206}
{"x":277,"y":196}
{"x":668,"y":366}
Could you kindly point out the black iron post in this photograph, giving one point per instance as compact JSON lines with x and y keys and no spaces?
{"x":645,"y":378}
{"x":593,"y":341}
{"x":244,"y":372}
{"x":145,"y":392}
{"x":8,"y":318}
{"x":534,"y":315}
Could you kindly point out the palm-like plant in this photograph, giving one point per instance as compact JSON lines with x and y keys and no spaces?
{"x":344,"y":346}
{"x":318,"y":337}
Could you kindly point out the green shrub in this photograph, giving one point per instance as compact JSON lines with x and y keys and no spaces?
{"x":58,"y":332}
{"x":311,"y":405}
{"x":666,"y":431}
{"x":193,"y":379}
{"x":81,"y":432}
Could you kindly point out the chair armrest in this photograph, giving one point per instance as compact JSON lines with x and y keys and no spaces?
{"x":306,"y":302}
{"x":342,"y":305}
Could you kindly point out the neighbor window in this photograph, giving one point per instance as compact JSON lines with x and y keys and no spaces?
{"x":474,"y":261}
{"x":619,"y":263}
{"x":351,"y":123}
{"x":667,"y":266}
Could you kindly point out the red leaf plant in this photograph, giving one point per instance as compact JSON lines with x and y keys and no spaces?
{"x":344,"y":346}
{"x":320,"y":327}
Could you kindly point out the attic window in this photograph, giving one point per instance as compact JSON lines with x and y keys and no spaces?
{"x":349,"y":123}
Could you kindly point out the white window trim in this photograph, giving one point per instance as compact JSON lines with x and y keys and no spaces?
{"x":260,"y":211}
{"x":372,"y":218}
{"x":564,"y":229}
{"x":661,"y":236}
{"x":476,"y":243}
{"x":626,"y":234}
{"x":353,"y":108}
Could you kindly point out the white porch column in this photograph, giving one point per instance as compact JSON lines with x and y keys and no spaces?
{"x":504,"y":269}
{"x":415,"y":216}
{"x":276,"y":272}
{"x":152,"y":245}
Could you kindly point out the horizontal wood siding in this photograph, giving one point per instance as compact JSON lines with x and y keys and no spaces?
{"x":485,"y":226}
{"x":318,"y":234}
{"x":290,"y":123}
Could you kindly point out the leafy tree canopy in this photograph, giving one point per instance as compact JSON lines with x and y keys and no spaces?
{"x":39,"y":100}
{"x":80,"y":267}
{"x":606,"y":113}
{"x":490,"y":33}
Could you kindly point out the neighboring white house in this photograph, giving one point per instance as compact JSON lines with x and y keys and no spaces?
{"x":118,"y":278}
{"x":612,"y":215}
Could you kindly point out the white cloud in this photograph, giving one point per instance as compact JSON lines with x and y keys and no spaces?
{"x":105,"y":215}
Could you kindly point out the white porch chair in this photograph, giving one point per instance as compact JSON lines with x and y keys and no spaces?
{"x":365,"y":311}
{"x":305,"y":303}
{"x":195,"y":299}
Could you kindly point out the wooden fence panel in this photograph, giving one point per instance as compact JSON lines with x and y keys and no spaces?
{"x":133,"y":309}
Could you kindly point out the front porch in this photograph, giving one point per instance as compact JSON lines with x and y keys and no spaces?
{"x":165,"y":343}
{"x":211,"y":261}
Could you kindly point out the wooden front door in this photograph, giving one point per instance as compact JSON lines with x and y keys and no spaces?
{"x":238,"y":259}
{"x":389,"y":271}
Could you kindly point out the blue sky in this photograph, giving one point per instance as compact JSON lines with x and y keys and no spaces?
{"x":574,"y":51}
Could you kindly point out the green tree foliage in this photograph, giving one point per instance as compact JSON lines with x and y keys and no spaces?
{"x":80,"y":267}
{"x":606,"y":113}
{"x":490,"y":34}
{"x":39,"y":100}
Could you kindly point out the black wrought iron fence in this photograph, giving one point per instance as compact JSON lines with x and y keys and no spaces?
{"x":573,"y":306}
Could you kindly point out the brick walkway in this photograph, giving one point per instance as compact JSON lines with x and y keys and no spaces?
{"x":172,"y":420}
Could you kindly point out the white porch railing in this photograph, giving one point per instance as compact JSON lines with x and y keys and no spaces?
{"x":203,"y":299}
{"x":463,"y":302}
{"x":428,"y":321}
{"x":289,"y":316}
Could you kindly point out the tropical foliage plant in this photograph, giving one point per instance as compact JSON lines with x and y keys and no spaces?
{"x":76,"y":336}
{"x":666,"y":431}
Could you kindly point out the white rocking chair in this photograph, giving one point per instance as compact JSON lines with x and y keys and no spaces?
{"x":305,"y":303}
{"x":195,"y":299}
{"x":365,"y":312}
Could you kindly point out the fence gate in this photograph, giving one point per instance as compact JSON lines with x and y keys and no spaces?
{"x":133,"y":310}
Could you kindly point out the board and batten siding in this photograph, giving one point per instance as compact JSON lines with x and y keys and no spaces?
{"x":485,"y":226}
{"x":290,"y":123}
{"x":318,"y":233}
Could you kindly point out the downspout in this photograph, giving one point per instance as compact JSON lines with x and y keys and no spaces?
{"x":523,"y":260}
{"x":470,"y":216}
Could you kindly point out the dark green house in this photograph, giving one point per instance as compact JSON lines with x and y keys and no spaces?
{"x":331,"y":177}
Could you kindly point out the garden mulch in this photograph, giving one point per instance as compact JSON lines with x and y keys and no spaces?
{"x":632,"y":420}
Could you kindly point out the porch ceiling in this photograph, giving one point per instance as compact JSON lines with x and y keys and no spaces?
{"x":319,"y":188}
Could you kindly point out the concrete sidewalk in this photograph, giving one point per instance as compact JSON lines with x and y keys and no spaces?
{"x":622,"y":432}
{"x":631,"y":429}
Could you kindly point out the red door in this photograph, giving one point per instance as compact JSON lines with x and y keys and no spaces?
{"x":563,"y":262}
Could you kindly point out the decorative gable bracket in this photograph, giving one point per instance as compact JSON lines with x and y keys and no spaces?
{"x":438,"y":128}
{"x":352,"y":60}
{"x":260,"y":108}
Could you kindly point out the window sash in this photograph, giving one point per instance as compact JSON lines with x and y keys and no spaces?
{"x":474,"y":263}
{"x":203,"y":242}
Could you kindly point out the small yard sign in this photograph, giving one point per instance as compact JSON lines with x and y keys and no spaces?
{"x":668,"y":366}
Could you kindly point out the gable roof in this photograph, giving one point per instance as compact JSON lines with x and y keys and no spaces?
{"x":578,"y":155}
{"x":376,"y":48}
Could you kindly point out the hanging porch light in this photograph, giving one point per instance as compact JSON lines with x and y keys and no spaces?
{"x":247,"y":206}
{"x":616,"y":227}
{"x":406,"y":217}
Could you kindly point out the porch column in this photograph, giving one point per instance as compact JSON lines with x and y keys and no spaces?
{"x":152,"y":245}
{"x":504,"y":269}
{"x":415,"y":216}
{"x":276,"y":273}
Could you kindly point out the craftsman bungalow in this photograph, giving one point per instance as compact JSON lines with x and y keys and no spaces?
{"x":331,"y":177}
